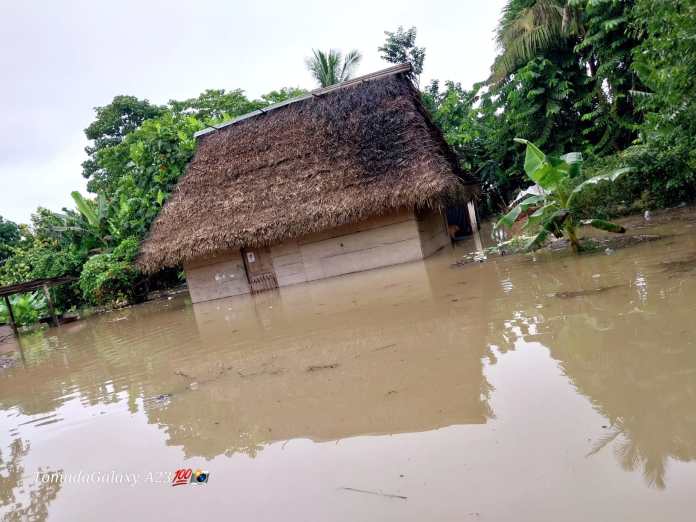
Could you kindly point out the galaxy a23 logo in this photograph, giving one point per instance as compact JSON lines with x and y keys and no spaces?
{"x":187,"y":476}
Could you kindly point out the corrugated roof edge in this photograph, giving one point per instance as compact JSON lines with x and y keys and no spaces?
{"x":396,"y":69}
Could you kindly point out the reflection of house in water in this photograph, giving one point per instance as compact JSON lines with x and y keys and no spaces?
{"x":320,"y":362}
{"x":354,"y":355}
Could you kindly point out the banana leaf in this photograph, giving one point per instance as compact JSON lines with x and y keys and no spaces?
{"x":604,"y":225}
{"x":610,"y":176}
{"x":509,"y":219}
{"x":86,"y":207}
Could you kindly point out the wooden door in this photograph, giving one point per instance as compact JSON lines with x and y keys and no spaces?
{"x":259,"y":268}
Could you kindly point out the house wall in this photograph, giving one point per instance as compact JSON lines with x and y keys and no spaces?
{"x":433,"y":233}
{"x":213,"y":277}
{"x":381,"y":241}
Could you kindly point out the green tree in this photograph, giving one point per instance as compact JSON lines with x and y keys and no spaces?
{"x":215,"y":105}
{"x":281,"y":95}
{"x":9,"y":237}
{"x":113,"y":122}
{"x":400,"y":47}
{"x":665,"y":62}
{"x":330,"y":68}
{"x":149,"y":162}
{"x":609,"y":105}
{"x":91,"y":220}
{"x":531,"y":28}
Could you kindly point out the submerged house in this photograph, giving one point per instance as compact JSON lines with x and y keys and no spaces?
{"x":346,"y":178}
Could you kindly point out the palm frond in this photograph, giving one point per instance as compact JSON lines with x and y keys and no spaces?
{"x":350,"y":62}
{"x":329,"y":68}
{"x":527,"y":29}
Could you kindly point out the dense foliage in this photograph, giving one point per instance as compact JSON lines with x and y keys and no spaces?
{"x":400,"y":47}
{"x":613,"y":79}
{"x":9,"y":236}
{"x":26,"y":308}
{"x":111,"y":277}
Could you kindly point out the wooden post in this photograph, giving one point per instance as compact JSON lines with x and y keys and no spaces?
{"x":10,"y":313}
{"x":51,"y":310}
{"x":473,"y":221}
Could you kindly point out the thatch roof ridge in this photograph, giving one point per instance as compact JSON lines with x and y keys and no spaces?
{"x":389,"y":71}
{"x":354,"y":152}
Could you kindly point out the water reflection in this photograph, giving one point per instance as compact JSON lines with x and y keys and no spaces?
{"x":321,"y":363}
{"x":26,"y":501}
{"x":626,"y":341}
{"x":318,"y":362}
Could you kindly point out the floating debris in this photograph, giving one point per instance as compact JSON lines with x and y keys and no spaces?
{"x":159,"y":401}
{"x":322,"y":367}
{"x":582,"y":293}
{"x":385,"y":347}
{"x":7,"y":362}
{"x":378,"y":493}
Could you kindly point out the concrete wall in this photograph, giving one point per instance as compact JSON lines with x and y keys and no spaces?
{"x":381,"y":241}
{"x":213,"y":277}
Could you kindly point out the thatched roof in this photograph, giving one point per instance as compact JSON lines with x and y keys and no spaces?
{"x":336,"y":156}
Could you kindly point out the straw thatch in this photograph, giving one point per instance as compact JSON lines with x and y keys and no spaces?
{"x":327,"y":160}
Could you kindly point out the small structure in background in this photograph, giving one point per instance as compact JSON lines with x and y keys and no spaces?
{"x":346,"y":178}
{"x":30,"y":286}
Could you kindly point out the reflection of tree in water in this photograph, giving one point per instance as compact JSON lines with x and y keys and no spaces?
{"x":89,"y":357}
{"x":11,"y":483}
{"x":635,"y":365}
{"x":631,"y":455}
{"x":246,"y":444}
{"x":647,"y":392}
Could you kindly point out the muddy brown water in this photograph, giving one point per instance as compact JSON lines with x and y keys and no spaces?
{"x":523,"y":388}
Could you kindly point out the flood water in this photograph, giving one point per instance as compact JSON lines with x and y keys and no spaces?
{"x":518,"y":389}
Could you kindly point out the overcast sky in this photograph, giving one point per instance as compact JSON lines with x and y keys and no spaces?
{"x":61,"y":58}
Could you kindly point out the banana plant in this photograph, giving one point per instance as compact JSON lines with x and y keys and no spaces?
{"x":549,"y":202}
{"x":92,"y":220}
{"x":27,"y":308}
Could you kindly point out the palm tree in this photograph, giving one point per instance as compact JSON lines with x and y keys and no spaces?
{"x":529,"y":27}
{"x":331,"y":68}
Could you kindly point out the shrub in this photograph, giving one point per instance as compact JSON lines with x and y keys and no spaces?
{"x":26,"y":308}
{"x":126,"y":250}
{"x":44,"y":259}
{"x":109,"y":279}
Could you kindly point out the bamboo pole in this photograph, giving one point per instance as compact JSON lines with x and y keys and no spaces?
{"x":10,"y":313}
{"x":51,"y":309}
